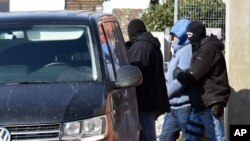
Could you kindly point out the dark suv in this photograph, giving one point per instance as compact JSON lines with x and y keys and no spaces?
{"x":65,"y":75}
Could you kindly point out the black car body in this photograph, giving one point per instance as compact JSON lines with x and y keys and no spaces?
{"x":58,"y":81}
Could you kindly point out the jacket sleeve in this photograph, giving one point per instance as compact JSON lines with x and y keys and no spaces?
{"x":183,"y":66}
{"x":202,"y":62}
{"x":200,"y":66}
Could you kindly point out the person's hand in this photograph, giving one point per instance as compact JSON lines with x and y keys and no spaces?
{"x":185,"y":78}
{"x":217,"y":110}
{"x":176,"y":72}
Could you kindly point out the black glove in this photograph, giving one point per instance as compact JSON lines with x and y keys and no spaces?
{"x":176,"y":72}
{"x":185,"y":78}
{"x":217,"y":110}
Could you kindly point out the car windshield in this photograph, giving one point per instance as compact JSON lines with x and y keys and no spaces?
{"x":46,"y":53}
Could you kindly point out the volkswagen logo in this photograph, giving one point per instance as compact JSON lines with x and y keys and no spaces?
{"x":4,"y":134}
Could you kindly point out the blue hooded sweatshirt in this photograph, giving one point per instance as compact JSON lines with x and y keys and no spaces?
{"x":181,"y":59}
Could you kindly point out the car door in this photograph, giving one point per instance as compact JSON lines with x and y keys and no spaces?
{"x":124,"y":100}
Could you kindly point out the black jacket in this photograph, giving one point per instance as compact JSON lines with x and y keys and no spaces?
{"x":208,"y":75}
{"x":145,"y":53}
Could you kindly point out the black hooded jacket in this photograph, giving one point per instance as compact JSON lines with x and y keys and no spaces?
{"x":208,"y":79}
{"x":145,"y":53}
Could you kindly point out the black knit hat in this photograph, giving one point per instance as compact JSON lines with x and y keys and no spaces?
{"x":136,"y":26}
{"x":198,"y":30}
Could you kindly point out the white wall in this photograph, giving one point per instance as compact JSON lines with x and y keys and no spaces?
{"x":108,"y":6}
{"x":160,"y":36}
{"x":32,"y":5}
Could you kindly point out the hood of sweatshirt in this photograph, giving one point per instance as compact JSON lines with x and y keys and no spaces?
{"x":147,"y":36}
{"x":213,"y":40}
{"x":179,"y":29}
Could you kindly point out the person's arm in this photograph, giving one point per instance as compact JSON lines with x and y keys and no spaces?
{"x":202,"y":63}
{"x":199,"y":67}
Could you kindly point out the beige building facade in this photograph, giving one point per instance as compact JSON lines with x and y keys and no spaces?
{"x":238,"y":63}
{"x":238,"y":43}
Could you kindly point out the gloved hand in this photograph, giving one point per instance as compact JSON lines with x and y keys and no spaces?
{"x":176,"y":72}
{"x":185,"y":78}
{"x":217,"y":110}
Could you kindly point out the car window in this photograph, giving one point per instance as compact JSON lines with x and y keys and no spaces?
{"x":114,"y":41}
{"x":120,"y":50}
{"x":109,"y":68}
{"x":109,"y":28}
{"x":51,"y":53}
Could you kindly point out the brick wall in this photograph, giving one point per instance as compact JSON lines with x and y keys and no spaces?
{"x":4,"y":5}
{"x":89,"y":5}
{"x":124,"y":16}
{"x":1,"y":1}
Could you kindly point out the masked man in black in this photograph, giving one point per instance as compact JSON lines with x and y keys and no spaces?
{"x":145,"y":53}
{"x":209,"y":85}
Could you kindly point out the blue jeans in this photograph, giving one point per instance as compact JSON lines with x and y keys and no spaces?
{"x":147,"y":122}
{"x":198,"y":123}
{"x":170,"y":129}
{"x":175,"y":121}
{"x":219,"y":129}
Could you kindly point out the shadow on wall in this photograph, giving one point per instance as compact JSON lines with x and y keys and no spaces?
{"x":238,"y":110}
{"x":239,"y":106}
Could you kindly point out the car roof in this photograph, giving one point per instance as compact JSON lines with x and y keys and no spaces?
{"x":50,"y":16}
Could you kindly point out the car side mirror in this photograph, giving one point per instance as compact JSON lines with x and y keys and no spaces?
{"x":128,"y":76}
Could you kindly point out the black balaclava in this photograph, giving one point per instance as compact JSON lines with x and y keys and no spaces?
{"x":135,"y":28}
{"x":199,"y":32}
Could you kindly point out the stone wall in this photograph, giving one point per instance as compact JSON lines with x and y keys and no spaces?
{"x":89,"y":5}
